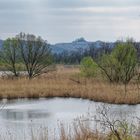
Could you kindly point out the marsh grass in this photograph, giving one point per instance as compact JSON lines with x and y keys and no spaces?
{"x":77,"y":131}
{"x":67,"y":82}
{"x":82,"y":131}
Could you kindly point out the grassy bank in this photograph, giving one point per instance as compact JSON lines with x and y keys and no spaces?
{"x":65,"y":82}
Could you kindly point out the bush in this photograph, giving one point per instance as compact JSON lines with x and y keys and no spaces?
{"x":88,"y":67}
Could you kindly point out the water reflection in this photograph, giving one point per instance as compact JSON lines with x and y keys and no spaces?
{"x":13,"y":114}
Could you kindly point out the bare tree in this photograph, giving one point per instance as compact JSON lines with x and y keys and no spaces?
{"x":119,"y":127}
{"x":35,"y":53}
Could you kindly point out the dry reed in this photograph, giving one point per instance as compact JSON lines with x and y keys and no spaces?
{"x":65,"y":82}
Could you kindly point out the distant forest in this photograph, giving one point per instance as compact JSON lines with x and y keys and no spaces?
{"x":75,"y":57}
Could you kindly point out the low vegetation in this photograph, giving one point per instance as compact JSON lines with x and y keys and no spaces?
{"x":67,"y":82}
{"x":88,"y":67}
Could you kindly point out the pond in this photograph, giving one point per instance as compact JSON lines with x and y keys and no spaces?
{"x":20,"y":117}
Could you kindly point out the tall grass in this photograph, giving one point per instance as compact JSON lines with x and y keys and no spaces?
{"x":81,"y":131}
{"x":66,"y":82}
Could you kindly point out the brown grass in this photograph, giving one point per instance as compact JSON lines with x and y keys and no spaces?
{"x":66,"y":82}
{"x":84,"y":132}
{"x":80,"y":131}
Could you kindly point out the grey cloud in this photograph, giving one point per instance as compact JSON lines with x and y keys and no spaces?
{"x":64,"y":20}
{"x":13,"y":4}
{"x":88,"y":3}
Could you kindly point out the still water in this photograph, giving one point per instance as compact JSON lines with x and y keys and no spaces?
{"x":20,"y":117}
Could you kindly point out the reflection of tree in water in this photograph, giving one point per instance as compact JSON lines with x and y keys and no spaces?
{"x":10,"y":114}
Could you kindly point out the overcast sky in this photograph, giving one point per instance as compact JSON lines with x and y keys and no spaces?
{"x":66,"y":20}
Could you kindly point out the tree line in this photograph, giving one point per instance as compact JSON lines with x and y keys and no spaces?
{"x":75,"y":57}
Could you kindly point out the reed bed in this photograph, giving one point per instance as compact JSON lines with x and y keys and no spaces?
{"x":66,"y":82}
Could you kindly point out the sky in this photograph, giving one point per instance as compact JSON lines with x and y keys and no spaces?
{"x":66,"y":20}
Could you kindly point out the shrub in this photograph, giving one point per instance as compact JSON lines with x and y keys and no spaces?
{"x":88,"y":67}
